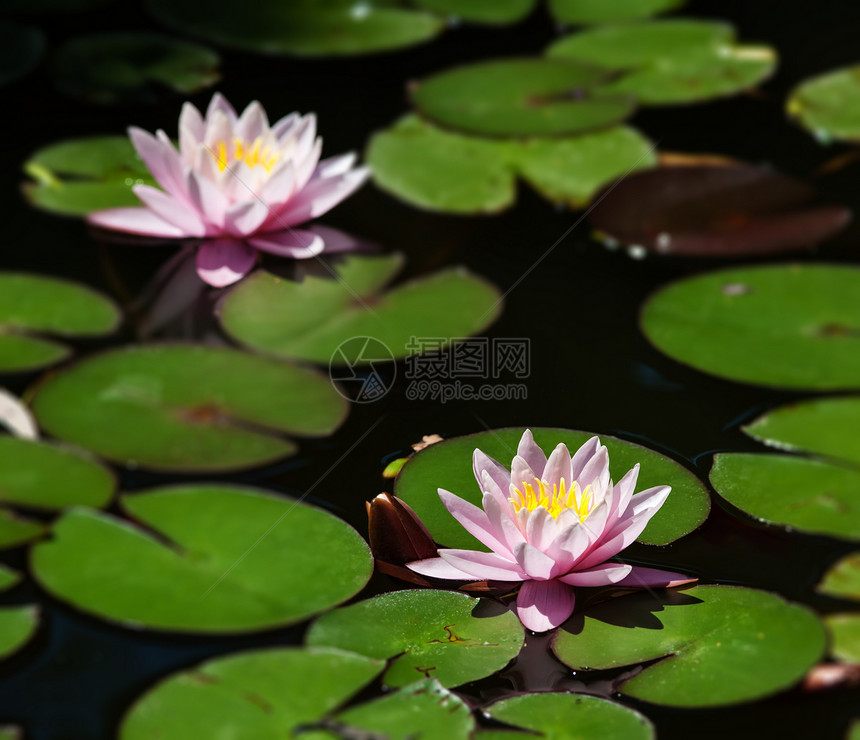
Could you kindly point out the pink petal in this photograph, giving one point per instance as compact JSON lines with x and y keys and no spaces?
{"x":252,"y":123}
{"x":207,"y":199}
{"x":219,"y":129}
{"x":305,"y":135}
{"x":641,"y":577}
{"x":582,"y":456}
{"x":475,"y":522}
{"x":306,"y":167}
{"x":320,"y":197}
{"x":623,"y":491}
{"x":501,"y":522}
{"x":439,"y":568}
{"x":483,"y":565}
{"x":219,"y":104}
{"x":162,"y":160}
{"x":338,"y":241}
{"x":191,"y":129}
{"x":534,"y":563}
{"x":134,"y":221}
{"x":298,"y":244}
{"x":280,"y":186}
{"x":600,"y":575}
{"x":285,"y":126}
{"x":544,"y":605}
{"x":521,"y":473}
{"x":540,"y":528}
{"x":243,"y":219}
{"x":558,"y":467}
{"x":222,"y":262}
{"x":596,"y":471}
{"x":529,"y":451}
{"x":334,"y":166}
{"x":647,"y":502}
{"x":568,"y":546}
{"x":500,"y":477}
{"x":166,"y":207}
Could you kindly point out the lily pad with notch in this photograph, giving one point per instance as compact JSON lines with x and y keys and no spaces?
{"x":309,"y":319}
{"x":794,"y":326}
{"x":705,"y":210}
{"x":521,"y":97}
{"x":187,"y":407}
{"x":829,"y":105}
{"x":434,"y":634}
{"x":448,"y":465}
{"x":594,"y":12}
{"x":713,"y":645}
{"x":206,"y":559}
{"x":36,"y":305}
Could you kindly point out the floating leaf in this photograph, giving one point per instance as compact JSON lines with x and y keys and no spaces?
{"x":842,"y":579}
{"x":11,"y":732}
{"x":809,"y":495}
{"x":16,"y":530}
{"x":79,"y":176}
{"x":301,"y":27}
{"x":263,"y":694}
{"x":123,"y":67}
{"x":311,"y":318}
{"x":720,"y":644}
{"x":448,"y":465}
{"x":555,"y":716}
{"x":829,"y":105}
{"x":715,"y":210}
{"x":21,"y":47}
{"x":17,"y":625}
{"x":588,"y":12}
{"x":8,"y":578}
{"x":423,"y":633}
{"x":44,"y":476}
{"x":789,"y":326}
{"x":521,"y":97}
{"x":44,"y":305}
{"x":186,"y":407}
{"x":670,"y":61}
{"x":444,"y":171}
{"x":845,"y":636}
{"x":213,"y":559}
{"x":480,"y":11}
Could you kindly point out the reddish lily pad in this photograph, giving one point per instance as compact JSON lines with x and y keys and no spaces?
{"x":186,"y":407}
{"x":842,"y":579}
{"x":715,"y":211}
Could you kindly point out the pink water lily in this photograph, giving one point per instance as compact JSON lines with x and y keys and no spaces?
{"x":237,"y":183}
{"x":553,"y":524}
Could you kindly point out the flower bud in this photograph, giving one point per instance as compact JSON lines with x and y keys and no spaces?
{"x":397,"y":535}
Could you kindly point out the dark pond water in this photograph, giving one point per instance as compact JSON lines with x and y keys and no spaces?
{"x":590,"y":366}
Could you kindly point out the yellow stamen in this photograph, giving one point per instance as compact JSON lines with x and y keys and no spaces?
{"x":248,"y":152}
{"x":526,"y":497}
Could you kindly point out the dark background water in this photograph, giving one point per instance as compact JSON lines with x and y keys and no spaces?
{"x":590,"y":366}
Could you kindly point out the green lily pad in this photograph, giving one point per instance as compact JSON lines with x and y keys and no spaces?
{"x":844,"y":636}
{"x":8,"y":578}
{"x":480,"y":11}
{"x":587,"y":12}
{"x":21,"y":47}
{"x":263,"y":694}
{"x":131,"y":67}
{"x":521,"y":97}
{"x":11,"y":732}
{"x":79,"y":176}
{"x":311,"y":318}
{"x":37,"y":304}
{"x":301,"y":27}
{"x":448,"y":465}
{"x":809,"y":495}
{"x":17,"y":625}
{"x":842,"y":579}
{"x":719,"y":644}
{"x":557,"y":716}
{"x":212,"y":559}
{"x":789,"y":326}
{"x":444,"y":171}
{"x":15,"y":530}
{"x":423,"y":633}
{"x":829,"y":105}
{"x":44,"y":476}
{"x":670,"y":61}
{"x":186,"y":407}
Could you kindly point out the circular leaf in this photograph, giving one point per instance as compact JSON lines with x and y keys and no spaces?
{"x":842,"y":579}
{"x":521,"y":97}
{"x":587,"y":12}
{"x":790,"y":326}
{"x":123,"y":67}
{"x":263,"y":694}
{"x":480,"y":11}
{"x":829,"y":105}
{"x":311,"y":318}
{"x":213,"y":559}
{"x":21,"y":47}
{"x":670,"y":61}
{"x":720,"y":644}
{"x":845,"y":636}
{"x":557,"y":716}
{"x":185,"y":407}
{"x":423,"y":633}
{"x":17,"y":625}
{"x":301,"y":27}
{"x":38,"y":304}
{"x":16,"y":530}
{"x":809,"y":495}
{"x":448,"y":465}
{"x":42,"y":476}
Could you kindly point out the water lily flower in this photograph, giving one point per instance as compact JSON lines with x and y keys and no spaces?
{"x":237,"y":183}
{"x":552,"y":524}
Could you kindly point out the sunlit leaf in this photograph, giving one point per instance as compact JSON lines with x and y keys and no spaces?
{"x":448,"y":465}
{"x":789,"y":326}
{"x":17,"y":625}
{"x":187,"y":407}
{"x":608,"y":11}
{"x":842,"y":579}
{"x":844,"y":632}
{"x":21,"y":47}
{"x":211,"y":559}
{"x":123,"y":67}
{"x":714,"y":645}
{"x":829,"y":105}
{"x":431,"y":634}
